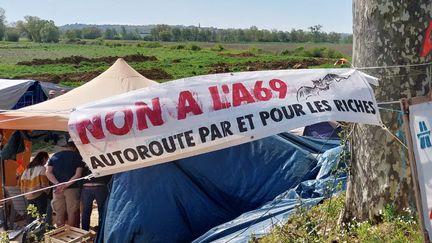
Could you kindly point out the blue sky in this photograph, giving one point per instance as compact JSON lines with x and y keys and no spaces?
{"x":333,"y":15}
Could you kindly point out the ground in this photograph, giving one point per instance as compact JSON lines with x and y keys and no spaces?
{"x":74,"y":64}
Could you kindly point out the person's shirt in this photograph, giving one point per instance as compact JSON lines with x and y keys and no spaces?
{"x":33,"y":179}
{"x":64,"y":165}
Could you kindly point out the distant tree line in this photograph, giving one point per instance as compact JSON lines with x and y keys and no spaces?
{"x":40,"y":30}
{"x":34,"y":28}
{"x":94,"y":32}
{"x":253,"y":34}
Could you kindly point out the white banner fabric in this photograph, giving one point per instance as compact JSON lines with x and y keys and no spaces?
{"x":200,"y":114}
{"x":420,"y":125}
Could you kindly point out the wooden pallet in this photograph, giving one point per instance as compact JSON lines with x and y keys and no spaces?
{"x":68,"y":234}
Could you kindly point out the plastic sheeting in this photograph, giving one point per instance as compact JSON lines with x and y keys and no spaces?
{"x":15,"y":94}
{"x":182,"y":200}
{"x":259,"y":222}
{"x":11,"y":91}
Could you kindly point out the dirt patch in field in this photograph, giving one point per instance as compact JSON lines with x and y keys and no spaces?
{"x":221,"y":68}
{"x":76,"y":60}
{"x":243,"y":54}
{"x":271,"y":65}
{"x":154,"y":74}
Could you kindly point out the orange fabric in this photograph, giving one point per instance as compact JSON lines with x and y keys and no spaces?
{"x":12,"y":168}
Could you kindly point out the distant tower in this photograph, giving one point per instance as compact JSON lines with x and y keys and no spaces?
{"x":199,"y":25}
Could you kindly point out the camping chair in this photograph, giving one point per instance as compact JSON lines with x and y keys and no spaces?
{"x":19,"y":204}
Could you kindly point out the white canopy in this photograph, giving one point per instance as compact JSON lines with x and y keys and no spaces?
{"x":54,"y":114}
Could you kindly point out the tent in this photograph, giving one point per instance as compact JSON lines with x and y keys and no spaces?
{"x":182,"y":200}
{"x":47,"y":87}
{"x":323,"y":130}
{"x":20,"y":93}
{"x":54,"y":114}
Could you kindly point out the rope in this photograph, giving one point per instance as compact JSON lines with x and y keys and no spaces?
{"x":395,"y":66}
{"x":392,"y":110}
{"x":48,"y":187}
{"x":389,"y":102}
{"x":394,"y":136}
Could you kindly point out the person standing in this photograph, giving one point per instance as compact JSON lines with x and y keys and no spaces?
{"x":66,"y":166}
{"x":34,"y":178}
{"x":95,"y":188}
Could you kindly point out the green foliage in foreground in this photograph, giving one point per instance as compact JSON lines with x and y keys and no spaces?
{"x":320,"y":224}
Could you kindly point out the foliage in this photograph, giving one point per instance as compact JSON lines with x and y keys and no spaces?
{"x":38,"y":30}
{"x":2,"y":23}
{"x":91,"y":32}
{"x":218,"y":47}
{"x":178,"y":47}
{"x":149,"y":44}
{"x":49,"y":32}
{"x":194,"y":47}
{"x":12,"y":34}
{"x":73,"y":35}
{"x":41,"y":228}
{"x":319,"y":224}
{"x":254,"y":49}
{"x":253,"y":34}
{"x":111,"y":34}
{"x":314,"y":52}
{"x":4,"y":237}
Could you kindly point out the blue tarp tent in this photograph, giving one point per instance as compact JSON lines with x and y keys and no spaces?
{"x":16,"y":94}
{"x":182,"y":200}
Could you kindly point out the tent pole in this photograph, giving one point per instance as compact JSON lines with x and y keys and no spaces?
{"x":3,"y":181}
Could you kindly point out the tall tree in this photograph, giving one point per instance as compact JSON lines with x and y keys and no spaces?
{"x":2,"y":23}
{"x":386,"y":32}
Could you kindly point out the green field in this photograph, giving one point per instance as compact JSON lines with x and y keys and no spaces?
{"x":169,"y":60}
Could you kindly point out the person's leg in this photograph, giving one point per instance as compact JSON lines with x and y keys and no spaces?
{"x":41,"y":204}
{"x":59,"y":207}
{"x":72,"y":196}
{"x":87,"y":198}
{"x":49,"y":212}
{"x":101,"y":195}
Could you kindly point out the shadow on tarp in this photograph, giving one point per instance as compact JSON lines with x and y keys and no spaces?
{"x":182,"y":200}
{"x":259,"y":222}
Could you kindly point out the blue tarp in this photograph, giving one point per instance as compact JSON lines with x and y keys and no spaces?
{"x":259,"y":222}
{"x":182,"y":200}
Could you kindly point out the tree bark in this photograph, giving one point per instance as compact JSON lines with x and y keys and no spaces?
{"x":386,"y":33}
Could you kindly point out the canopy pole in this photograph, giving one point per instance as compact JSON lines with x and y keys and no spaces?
{"x":3,"y":181}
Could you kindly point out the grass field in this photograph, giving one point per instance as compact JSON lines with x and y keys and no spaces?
{"x":171,"y":60}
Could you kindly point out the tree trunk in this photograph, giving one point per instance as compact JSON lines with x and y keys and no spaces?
{"x":386,"y":33}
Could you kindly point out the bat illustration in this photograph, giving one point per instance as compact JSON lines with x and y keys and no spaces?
{"x":322,"y":84}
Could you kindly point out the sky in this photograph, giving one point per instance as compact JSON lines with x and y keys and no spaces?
{"x":333,"y":15}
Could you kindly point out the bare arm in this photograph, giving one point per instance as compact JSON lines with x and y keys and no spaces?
{"x":50,"y":175}
{"x":78,"y":173}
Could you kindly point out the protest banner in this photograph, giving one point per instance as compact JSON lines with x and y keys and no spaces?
{"x":418,"y":121}
{"x":200,"y":114}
